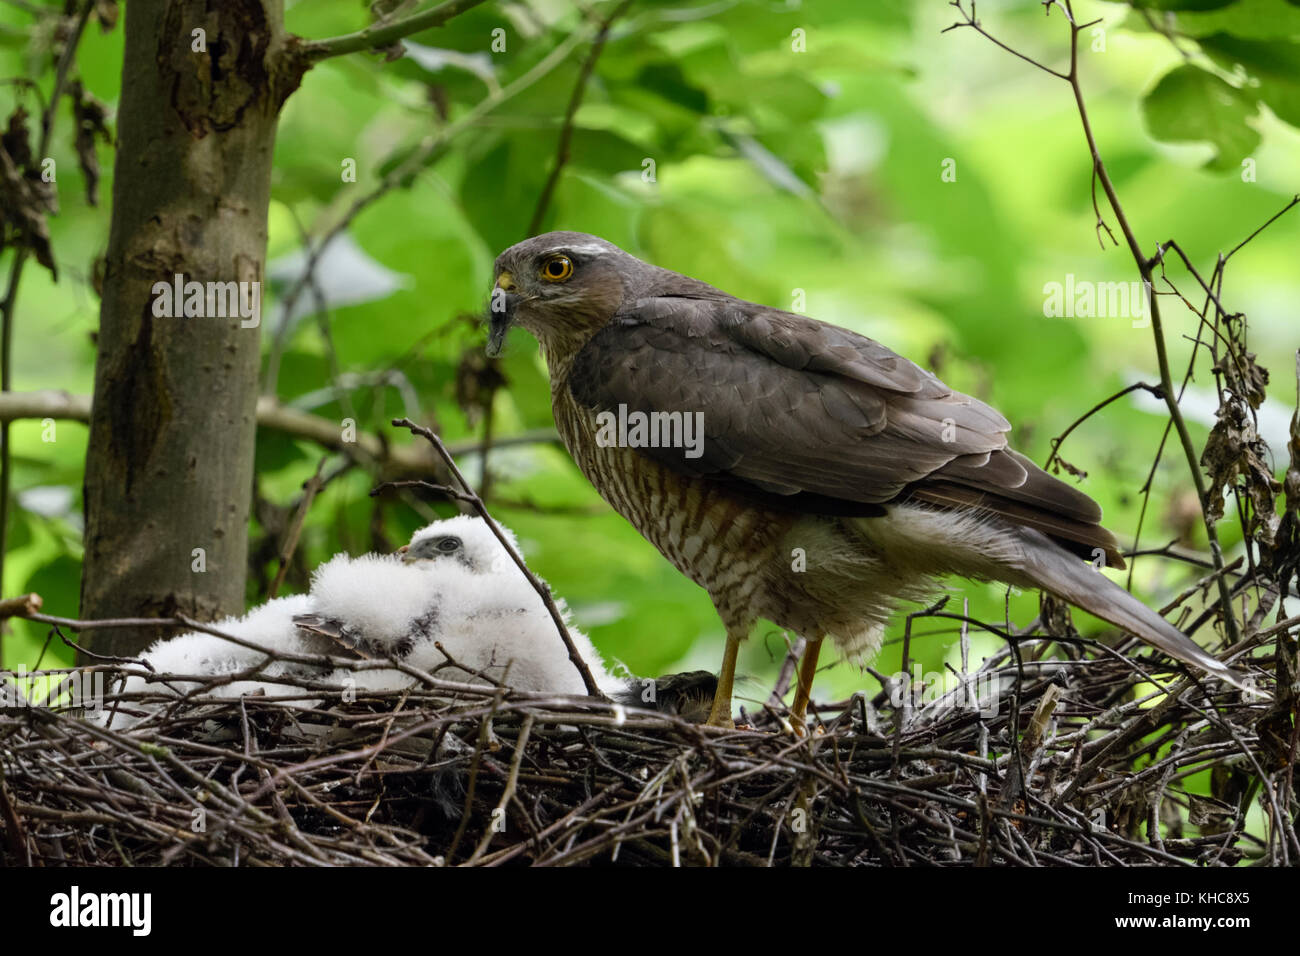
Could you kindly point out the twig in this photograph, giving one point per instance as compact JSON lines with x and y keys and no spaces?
{"x":570,"y":112}
{"x":428,"y":152}
{"x":290,"y":545}
{"x":974,"y":24}
{"x":1144,"y":266}
{"x":24,"y":605}
{"x":521,"y":746}
{"x":10,"y":301}
{"x":468,"y":495}
{"x":367,"y":448}
{"x":1059,"y":439}
{"x":379,"y":35}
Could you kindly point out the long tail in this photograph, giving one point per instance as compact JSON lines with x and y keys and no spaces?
{"x":1058,"y":572}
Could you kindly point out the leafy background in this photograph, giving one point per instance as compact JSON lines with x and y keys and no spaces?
{"x":775,"y":170}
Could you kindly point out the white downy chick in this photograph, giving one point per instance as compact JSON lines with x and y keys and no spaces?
{"x":454,"y":584}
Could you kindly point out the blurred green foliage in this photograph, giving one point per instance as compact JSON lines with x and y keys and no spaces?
{"x":920,"y":187}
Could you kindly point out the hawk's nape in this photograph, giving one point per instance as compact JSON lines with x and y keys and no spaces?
{"x":760,"y":433}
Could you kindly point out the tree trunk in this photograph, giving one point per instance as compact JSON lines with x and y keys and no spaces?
{"x":169,"y":468}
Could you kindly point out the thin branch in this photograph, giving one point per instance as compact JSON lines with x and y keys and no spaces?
{"x":1148,"y":485}
{"x":521,"y":745}
{"x":16,"y":272}
{"x":1057,"y":441}
{"x":290,"y":545}
{"x":379,"y":35}
{"x":974,"y":24}
{"x":412,"y":459}
{"x":1158,"y":335}
{"x":1272,"y":219}
{"x":1145,"y":266}
{"x":429,"y":152}
{"x":1096,"y":211}
{"x":468,"y":495}
{"x":566,"y":127}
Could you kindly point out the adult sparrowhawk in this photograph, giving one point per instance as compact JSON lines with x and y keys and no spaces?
{"x":832,"y":478}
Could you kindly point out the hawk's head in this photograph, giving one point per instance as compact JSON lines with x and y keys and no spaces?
{"x":560,"y":286}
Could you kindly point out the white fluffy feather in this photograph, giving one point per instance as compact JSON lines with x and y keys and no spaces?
{"x":475,"y":602}
{"x":376,"y":594}
{"x":200,"y":655}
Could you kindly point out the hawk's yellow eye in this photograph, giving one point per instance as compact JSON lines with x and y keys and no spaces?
{"x":557,"y":269}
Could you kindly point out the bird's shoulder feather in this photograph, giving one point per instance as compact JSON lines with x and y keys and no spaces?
{"x":788,"y":403}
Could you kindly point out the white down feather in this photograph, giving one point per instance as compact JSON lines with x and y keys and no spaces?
{"x":475,"y":602}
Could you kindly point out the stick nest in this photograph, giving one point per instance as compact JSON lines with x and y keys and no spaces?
{"x":1063,"y":761}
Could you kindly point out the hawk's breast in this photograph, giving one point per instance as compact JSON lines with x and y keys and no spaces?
{"x":720,"y":541}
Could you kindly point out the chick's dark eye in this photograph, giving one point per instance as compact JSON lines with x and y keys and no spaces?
{"x":448,"y":545}
{"x":557,"y":268}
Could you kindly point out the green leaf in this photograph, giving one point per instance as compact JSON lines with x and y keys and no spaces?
{"x":1190,"y":105}
{"x":276,"y":450}
{"x":1275,"y":64}
{"x":603,"y":150}
{"x":666,"y":80}
{"x":501,"y":188}
{"x":1260,"y":19}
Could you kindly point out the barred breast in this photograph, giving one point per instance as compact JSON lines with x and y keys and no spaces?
{"x":722,"y":543}
{"x":737,"y":549}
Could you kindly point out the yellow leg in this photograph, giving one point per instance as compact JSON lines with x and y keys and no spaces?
{"x":807,"y":670}
{"x":720,"y":714}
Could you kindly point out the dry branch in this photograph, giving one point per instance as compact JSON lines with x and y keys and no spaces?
{"x":392,"y":459}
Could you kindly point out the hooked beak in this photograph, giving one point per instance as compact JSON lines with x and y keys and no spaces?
{"x":500,"y":314}
{"x":404,"y":554}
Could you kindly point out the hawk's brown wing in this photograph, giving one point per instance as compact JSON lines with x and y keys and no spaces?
{"x":818,"y":415}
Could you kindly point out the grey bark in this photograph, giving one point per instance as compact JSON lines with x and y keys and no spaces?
{"x":170,"y":462}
